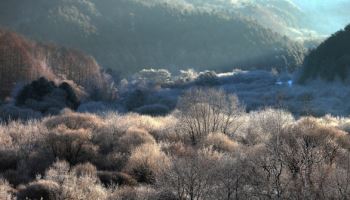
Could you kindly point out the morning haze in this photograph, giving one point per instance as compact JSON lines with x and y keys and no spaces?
{"x":174,"y":99}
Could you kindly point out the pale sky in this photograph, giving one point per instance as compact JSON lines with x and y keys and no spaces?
{"x":328,"y":15}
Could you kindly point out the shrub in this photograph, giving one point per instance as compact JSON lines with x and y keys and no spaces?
{"x":74,"y":121}
{"x":135,"y":99}
{"x":152,"y":77}
{"x":204,"y":111}
{"x":76,"y":186}
{"x":221,"y":142}
{"x":165,"y":195}
{"x":144,"y":174}
{"x":134,"y":137}
{"x":153,"y":110}
{"x":9,"y":113}
{"x":71,"y":145}
{"x":86,"y":169}
{"x":113,"y":161}
{"x":146,"y":162}
{"x":116,"y":178}
{"x":8,"y":159}
{"x":83,"y":188}
{"x":207,"y":78}
{"x":17,"y":176}
{"x":58,"y":172}
{"x":38,"y":190}
{"x":6,"y":191}
{"x":133,"y":193}
{"x":43,"y":95}
{"x":94,"y":107}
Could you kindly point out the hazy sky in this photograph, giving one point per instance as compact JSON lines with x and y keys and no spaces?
{"x":328,"y":15}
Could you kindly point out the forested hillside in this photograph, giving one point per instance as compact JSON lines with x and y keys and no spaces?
{"x":331,"y":60}
{"x":22,"y":61}
{"x":130,"y":35}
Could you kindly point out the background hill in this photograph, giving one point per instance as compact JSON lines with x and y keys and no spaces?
{"x":331,"y":59}
{"x":130,"y":35}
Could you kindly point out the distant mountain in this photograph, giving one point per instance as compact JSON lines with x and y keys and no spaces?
{"x":331,"y":59}
{"x":282,"y":16}
{"x":128,"y":35}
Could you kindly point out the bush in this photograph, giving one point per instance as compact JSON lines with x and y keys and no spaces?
{"x":133,"y":193}
{"x":86,"y":169}
{"x":38,"y":190}
{"x":147,"y":162}
{"x":204,"y":111}
{"x":43,"y":95}
{"x":134,"y":137}
{"x":207,"y":78}
{"x":74,"y":121}
{"x":9,"y":113}
{"x":17,"y":176}
{"x":71,"y":145}
{"x":116,"y":178}
{"x":8,"y":159}
{"x":221,"y":142}
{"x":165,"y":195}
{"x":76,"y":186}
{"x":135,"y":99}
{"x":153,"y":110}
{"x":152,"y":77}
{"x":6,"y":191}
{"x":83,"y":188}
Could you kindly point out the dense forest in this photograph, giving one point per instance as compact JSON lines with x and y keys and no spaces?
{"x":130,"y":35}
{"x":331,"y":60}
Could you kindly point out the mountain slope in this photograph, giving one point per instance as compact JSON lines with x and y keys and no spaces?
{"x":128,"y":35}
{"x":331,"y":59}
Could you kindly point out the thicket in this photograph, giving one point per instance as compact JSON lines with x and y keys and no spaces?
{"x":258,"y":155}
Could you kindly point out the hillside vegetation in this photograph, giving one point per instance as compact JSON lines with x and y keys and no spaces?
{"x":331,"y":60}
{"x":209,"y":149}
{"x":130,"y":35}
{"x":23,"y":60}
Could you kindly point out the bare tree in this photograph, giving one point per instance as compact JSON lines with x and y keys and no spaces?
{"x":190,"y":177}
{"x":204,"y":111}
{"x":230,"y":178}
